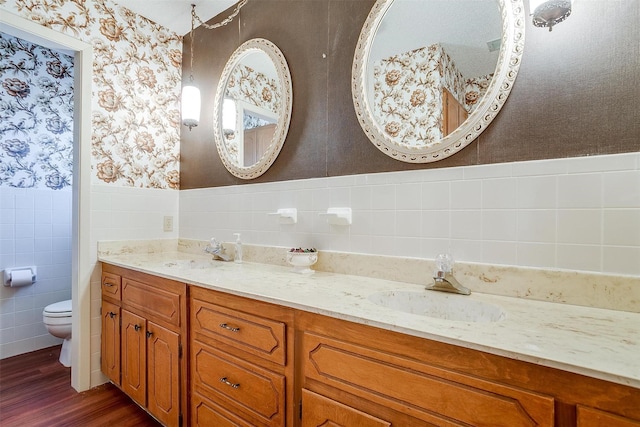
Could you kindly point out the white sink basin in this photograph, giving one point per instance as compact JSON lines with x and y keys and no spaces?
{"x":440,"y":305}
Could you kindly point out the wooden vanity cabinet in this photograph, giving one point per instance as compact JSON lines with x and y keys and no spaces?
{"x":241,"y":361}
{"x":257,"y":364}
{"x":143,"y":337}
{"x":401,"y":380}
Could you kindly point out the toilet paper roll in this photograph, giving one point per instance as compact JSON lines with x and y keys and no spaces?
{"x":21,"y":278}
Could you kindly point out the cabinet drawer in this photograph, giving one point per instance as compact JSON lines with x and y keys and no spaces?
{"x":111,"y":284}
{"x":439,"y":396}
{"x":590,"y":417}
{"x":206,"y":413}
{"x":255,"y":335}
{"x":320,"y":411}
{"x":158,"y":304}
{"x":246,"y":389}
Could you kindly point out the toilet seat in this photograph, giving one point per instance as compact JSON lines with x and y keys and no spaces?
{"x":58,"y":313}
{"x":58,"y":309}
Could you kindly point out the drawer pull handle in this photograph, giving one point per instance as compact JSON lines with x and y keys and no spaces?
{"x":112,"y":314}
{"x":149,"y":333}
{"x":229,"y":383}
{"x":108,"y":284}
{"x":136,"y":327}
{"x":229,"y":328}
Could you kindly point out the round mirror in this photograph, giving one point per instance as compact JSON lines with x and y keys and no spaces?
{"x":252,"y":108}
{"x":429,"y":75}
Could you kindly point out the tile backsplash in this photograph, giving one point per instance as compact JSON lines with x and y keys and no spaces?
{"x":575,"y":214}
{"x":571,"y":214}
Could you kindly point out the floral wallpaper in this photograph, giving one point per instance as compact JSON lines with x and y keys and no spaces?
{"x":451,"y":78}
{"x":407,"y":98}
{"x":135,"y":89}
{"x":253,"y":87}
{"x":474,"y":90}
{"x":36,"y":115}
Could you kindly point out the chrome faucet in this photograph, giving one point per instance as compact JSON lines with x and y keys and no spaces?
{"x":217,"y":250}
{"x":444,"y":280}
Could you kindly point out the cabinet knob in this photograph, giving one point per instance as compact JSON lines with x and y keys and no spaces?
{"x":149,"y":333}
{"x":229,"y":383}
{"x":112,"y":314}
{"x":229,"y":328}
{"x":136,"y":327}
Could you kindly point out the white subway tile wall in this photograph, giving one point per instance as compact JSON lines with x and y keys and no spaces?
{"x":577,"y":213}
{"x":35,"y":229}
{"x":126,"y":213}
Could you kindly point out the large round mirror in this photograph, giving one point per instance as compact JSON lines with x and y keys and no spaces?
{"x":252,"y":108}
{"x":429,"y":75}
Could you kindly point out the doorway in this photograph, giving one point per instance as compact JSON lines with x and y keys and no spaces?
{"x":82,"y":260}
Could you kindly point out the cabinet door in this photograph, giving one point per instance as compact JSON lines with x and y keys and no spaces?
{"x":250,"y":147}
{"x":263,"y":139}
{"x":320,"y":411}
{"x":110,"y":342}
{"x":163,"y":375}
{"x":589,"y":417}
{"x":134,"y":357}
{"x":453,"y":113}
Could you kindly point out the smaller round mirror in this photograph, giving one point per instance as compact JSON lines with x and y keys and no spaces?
{"x":252,"y":108}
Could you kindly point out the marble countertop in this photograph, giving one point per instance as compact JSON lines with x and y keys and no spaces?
{"x":595,"y":342}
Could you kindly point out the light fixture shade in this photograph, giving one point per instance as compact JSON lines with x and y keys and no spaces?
{"x":190,"y":106}
{"x":547,"y":13}
{"x":229,"y":115}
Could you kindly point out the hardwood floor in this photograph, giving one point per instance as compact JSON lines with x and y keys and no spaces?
{"x":35,"y":390}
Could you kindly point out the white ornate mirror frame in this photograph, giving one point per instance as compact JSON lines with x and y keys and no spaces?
{"x":283,"y":118}
{"x":512,"y":44}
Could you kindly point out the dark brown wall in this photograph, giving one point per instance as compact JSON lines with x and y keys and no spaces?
{"x":577,"y":92}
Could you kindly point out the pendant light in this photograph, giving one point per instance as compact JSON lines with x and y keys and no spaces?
{"x":190,"y":92}
{"x":547,"y":13}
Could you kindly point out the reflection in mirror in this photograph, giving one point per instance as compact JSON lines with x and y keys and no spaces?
{"x":253,"y":108}
{"x":423,"y":84}
{"x":430,"y":75}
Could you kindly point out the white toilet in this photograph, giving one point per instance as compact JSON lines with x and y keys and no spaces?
{"x":57,"y":319}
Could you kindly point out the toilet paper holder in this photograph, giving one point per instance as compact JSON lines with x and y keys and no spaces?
{"x":8,"y":274}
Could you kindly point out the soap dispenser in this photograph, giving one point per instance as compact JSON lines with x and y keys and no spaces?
{"x":237,"y":256}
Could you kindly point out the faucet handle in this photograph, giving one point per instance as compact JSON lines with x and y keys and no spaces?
{"x":444,"y":263}
{"x":212,"y":246}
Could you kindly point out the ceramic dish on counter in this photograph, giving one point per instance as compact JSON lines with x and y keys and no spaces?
{"x":302,"y":259}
